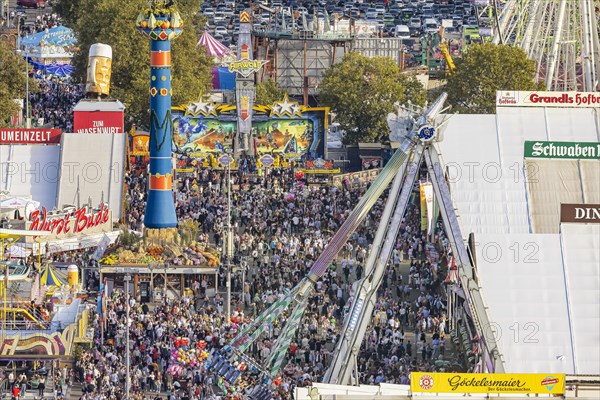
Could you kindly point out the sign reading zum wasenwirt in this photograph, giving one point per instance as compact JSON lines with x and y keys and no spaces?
{"x":577,"y":150}
{"x":433,"y":382}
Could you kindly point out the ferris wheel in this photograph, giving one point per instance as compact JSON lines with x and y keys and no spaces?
{"x":561,"y":36}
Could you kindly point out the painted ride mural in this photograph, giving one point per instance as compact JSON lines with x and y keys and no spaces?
{"x":202,"y":128}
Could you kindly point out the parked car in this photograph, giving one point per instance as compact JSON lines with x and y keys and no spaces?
{"x":402,"y":32}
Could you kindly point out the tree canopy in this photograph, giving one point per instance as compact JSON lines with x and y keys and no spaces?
{"x":361,"y":91}
{"x":484,"y":69}
{"x":112,"y":22}
{"x":267,"y":92}
{"x":12,"y":82}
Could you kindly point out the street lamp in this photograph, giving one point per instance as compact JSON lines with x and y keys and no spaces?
{"x":229,"y":243}
{"x":26,"y":87}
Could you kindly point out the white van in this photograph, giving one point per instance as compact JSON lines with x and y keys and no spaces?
{"x":402,"y":32}
{"x":430,"y":25}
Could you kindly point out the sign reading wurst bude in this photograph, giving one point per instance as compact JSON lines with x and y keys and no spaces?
{"x":431,"y":382}
{"x":511,"y":98}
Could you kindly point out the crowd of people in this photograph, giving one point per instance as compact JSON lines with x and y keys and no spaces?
{"x":281,"y":226}
{"x":54,"y":103}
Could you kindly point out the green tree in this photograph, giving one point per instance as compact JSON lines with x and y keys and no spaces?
{"x":113,"y":22}
{"x":361,"y":91}
{"x":484,"y":69}
{"x":12,"y":82}
{"x":267,"y":92}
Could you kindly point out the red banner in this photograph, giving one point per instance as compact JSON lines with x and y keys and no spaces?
{"x":29,"y":136}
{"x":98,"y":122}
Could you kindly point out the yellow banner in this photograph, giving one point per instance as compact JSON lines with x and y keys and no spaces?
{"x":424,"y":221}
{"x":320,"y":171}
{"x":426,"y":382}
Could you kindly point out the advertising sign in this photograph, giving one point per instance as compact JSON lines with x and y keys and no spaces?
{"x":245,"y":66}
{"x":431,"y":382}
{"x":508,"y":98}
{"x":81,"y":221}
{"x":29,"y":136}
{"x":140,"y":145}
{"x":426,"y":193}
{"x":356,"y":179}
{"x":576,"y":150}
{"x":98,"y":122}
{"x":580,"y":213}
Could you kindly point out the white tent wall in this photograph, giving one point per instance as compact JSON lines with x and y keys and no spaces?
{"x":94,"y":164}
{"x":523,"y":285}
{"x":486,"y":190}
{"x":552,"y":183}
{"x":580,"y":244}
{"x":590,"y":178}
{"x":542,"y":290}
{"x":30,"y":170}
{"x":484,"y":157}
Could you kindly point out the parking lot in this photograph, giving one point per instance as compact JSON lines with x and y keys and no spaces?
{"x":393,"y":18}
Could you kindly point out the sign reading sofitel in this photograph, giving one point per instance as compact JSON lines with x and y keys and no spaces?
{"x":429,"y":382}
{"x":547,"y":99}
{"x":29,"y":136}
{"x":577,"y":150}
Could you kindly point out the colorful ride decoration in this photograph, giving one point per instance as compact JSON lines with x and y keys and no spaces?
{"x":285,"y":129}
{"x":193,"y":254}
{"x":161,"y":24}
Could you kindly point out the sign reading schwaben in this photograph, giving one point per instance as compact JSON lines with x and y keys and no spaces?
{"x":580,"y":213}
{"x":578,"y":150}
{"x":431,"y":382}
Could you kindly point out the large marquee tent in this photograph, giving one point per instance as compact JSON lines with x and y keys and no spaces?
{"x":539,"y":277}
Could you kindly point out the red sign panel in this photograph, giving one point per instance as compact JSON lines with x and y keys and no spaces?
{"x":98,"y":122}
{"x":29,"y":136}
{"x":77,"y":221}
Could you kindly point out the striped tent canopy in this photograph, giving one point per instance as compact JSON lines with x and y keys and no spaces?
{"x":215,"y":49}
{"x":49,"y":278}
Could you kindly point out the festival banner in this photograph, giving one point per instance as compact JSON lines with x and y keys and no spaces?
{"x":423,"y":196}
{"x":29,"y":136}
{"x":428,"y":189}
{"x":511,"y":98}
{"x":431,"y":382}
{"x":98,"y":122}
{"x":140,"y":145}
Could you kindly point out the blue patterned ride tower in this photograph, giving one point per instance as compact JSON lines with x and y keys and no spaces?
{"x":161,"y":24}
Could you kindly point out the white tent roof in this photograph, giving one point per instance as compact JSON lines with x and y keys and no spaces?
{"x":542,"y":289}
{"x":485,"y":164}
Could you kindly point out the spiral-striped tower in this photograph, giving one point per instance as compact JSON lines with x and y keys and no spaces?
{"x":161,"y":24}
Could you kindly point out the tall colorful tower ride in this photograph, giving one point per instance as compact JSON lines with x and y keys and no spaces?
{"x":161,"y":24}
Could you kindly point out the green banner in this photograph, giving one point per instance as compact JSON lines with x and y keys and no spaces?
{"x":577,"y":150}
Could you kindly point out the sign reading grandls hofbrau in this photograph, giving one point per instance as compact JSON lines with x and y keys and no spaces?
{"x":580,"y":213}
{"x":511,"y":98}
{"x":29,"y":136}
{"x":576,"y":150}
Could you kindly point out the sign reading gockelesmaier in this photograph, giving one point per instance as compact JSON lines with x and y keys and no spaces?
{"x":426,"y":382}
